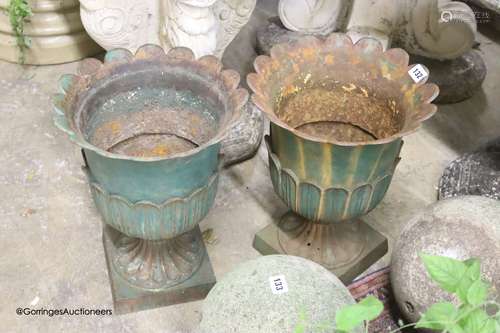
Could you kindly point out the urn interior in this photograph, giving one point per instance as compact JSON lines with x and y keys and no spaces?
{"x":342,"y":111}
{"x":151,"y":111}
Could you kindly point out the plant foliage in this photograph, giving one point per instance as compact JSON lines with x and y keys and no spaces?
{"x":19,"y":11}
{"x":476,"y":313}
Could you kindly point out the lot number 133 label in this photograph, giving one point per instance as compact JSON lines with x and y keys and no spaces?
{"x":278,"y":284}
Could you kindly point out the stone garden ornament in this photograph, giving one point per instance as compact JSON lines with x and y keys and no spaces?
{"x":151,"y":127}
{"x":462,"y":228}
{"x":436,"y":29}
{"x":338,"y":113}
{"x":274,"y":294}
{"x":204,"y":26}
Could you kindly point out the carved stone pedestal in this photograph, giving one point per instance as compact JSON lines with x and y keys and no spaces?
{"x":148,"y":274}
{"x":345,"y":249}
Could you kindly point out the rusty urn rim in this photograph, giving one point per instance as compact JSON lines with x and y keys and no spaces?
{"x":71,"y":103}
{"x":363,"y":68}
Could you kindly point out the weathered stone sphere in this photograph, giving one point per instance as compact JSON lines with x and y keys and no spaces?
{"x":244,"y":302}
{"x":462,"y":228}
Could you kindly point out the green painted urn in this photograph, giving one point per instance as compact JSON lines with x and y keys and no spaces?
{"x":338,"y":113}
{"x":150,"y":126}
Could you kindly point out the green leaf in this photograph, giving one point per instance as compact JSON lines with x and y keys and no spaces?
{"x":475,"y":321}
{"x":463,"y":312}
{"x":456,"y":329}
{"x":463,"y":288}
{"x":439,"y":316}
{"x":353,"y":316}
{"x":490,"y":327}
{"x":447,"y":272}
{"x":19,"y":11}
{"x":472,"y":274}
{"x":473,"y":268}
{"x":477,"y":293}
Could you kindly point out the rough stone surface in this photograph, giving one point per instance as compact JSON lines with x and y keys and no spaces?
{"x":243,"y":300}
{"x":461,"y":228}
{"x":458,"y":79}
{"x":244,"y":137}
{"x":274,"y":33}
{"x":476,"y":173}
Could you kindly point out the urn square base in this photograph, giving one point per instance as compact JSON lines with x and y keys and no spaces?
{"x":128,"y":298}
{"x":267,"y":242}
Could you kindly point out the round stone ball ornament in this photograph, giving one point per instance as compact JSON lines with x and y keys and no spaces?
{"x":275,"y":294}
{"x":461,"y":228}
{"x":338,"y":114}
{"x":151,"y":126}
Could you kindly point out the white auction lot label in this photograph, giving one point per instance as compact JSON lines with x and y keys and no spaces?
{"x":418,"y":73}
{"x":278,"y":284}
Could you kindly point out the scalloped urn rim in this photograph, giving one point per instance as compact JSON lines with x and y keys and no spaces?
{"x":92,"y":70}
{"x":398,"y":58}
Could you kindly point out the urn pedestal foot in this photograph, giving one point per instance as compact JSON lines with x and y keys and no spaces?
{"x":346,"y":249}
{"x":146,"y":274}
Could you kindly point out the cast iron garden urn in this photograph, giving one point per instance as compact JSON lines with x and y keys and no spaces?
{"x":338,"y":114}
{"x":150,"y":126}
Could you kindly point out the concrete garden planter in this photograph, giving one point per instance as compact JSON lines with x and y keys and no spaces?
{"x":55,"y":33}
{"x":151,"y":126}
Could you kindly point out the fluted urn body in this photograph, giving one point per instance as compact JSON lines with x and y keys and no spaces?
{"x":338,"y":113}
{"x":150,"y":126}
